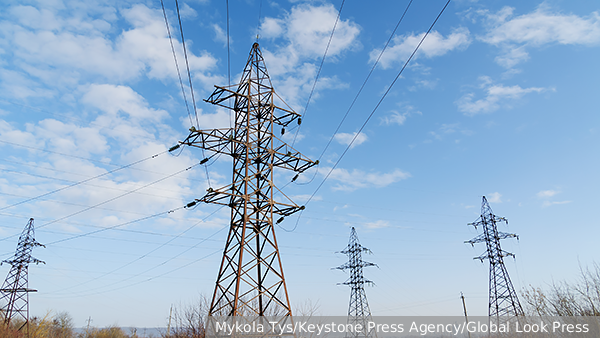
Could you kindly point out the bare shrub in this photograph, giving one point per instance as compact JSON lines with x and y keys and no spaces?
{"x":581,"y":298}
{"x":188,"y":321}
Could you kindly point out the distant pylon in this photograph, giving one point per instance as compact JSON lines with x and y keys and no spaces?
{"x":503,"y":300}
{"x":358,"y":309}
{"x":15,"y":290}
{"x":250,"y":280}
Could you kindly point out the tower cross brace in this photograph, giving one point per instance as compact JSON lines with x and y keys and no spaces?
{"x":358,"y":308}
{"x":15,"y":289}
{"x":250,"y":280}
{"x":503,"y":300}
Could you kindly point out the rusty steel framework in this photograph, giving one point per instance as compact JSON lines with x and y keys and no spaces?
{"x":358,"y":309}
{"x":250,"y":280}
{"x":15,"y":290}
{"x":503,"y":300}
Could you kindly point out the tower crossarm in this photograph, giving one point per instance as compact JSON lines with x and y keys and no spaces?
{"x":358,"y":283}
{"x":216,"y":140}
{"x":500,"y":253}
{"x":23,"y":261}
{"x":226,"y":196}
{"x":289,"y":158}
{"x":222,"y":95}
{"x":482,"y":237}
{"x":354,"y":265}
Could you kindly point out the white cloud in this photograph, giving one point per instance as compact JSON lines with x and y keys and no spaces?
{"x":187,"y":12}
{"x":357,"y":179}
{"x":304,"y":33}
{"x":448,"y":129}
{"x":394,"y":118}
{"x":221,"y":35}
{"x":59,"y":47}
{"x":434,"y":45}
{"x":494,"y":197}
{"x":496,"y":96}
{"x":547,"y":193}
{"x":346,"y":138}
{"x":378,"y":224}
{"x":549,"y":203}
{"x":309,"y":28}
{"x":514,"y":35}
{"x":220,"y":119}
{"x":122,"y":117}
{"x":114,"y":99}
{"x":272,"y":28}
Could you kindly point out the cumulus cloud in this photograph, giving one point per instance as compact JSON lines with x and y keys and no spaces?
{"x":349,"y":180}
{"x":515,"y":34}
{"x":353,"y":139}
{"x":378,"y":224}
{"x":398,"y":118}
{"x":434,"y":45}
{"x":547,"y":193}
{"x":496,"y":96}
{"x":114,"y":99}
{"x":221,"y":35}
{"x":494,"y":197}
{"x":303,"y":34}
{"x":551,"y":203}
{"x":59,"y":49}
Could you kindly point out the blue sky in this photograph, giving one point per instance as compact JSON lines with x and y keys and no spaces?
{"x":501,"y":100}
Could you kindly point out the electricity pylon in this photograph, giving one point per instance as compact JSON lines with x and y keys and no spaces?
{"x":358,"y":309}
{"x":15,"y":290}
{"x":250,"y":280}
{"x":503,"y":300}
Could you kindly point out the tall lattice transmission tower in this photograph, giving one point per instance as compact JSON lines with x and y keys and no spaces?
{"x":250,"y":280}
{"x":15,"y":290}
{"x":503,"y":300}
{"x":358,"y":309}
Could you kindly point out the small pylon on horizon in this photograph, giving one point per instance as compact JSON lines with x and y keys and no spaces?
{"x":503,"y":300}
{"x":358,"y":309}
{"x":15,"y":290}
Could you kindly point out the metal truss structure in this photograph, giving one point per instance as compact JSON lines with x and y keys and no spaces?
{"x":503,"y":300}
{"x":358,"y":309}
{"x":250,"y":280}
{"x":15,"y":290}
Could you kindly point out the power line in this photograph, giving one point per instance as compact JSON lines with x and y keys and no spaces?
{"x":111,"y":199}
{"x":152,"y":251}
{"x":228,"y":54}
{"x":187,"y":63}
{"x":319,"y":71}
{"x":361,"y":88}
{"x":176,"y":63}
{"x":157,"y":276}
{"x":190,"y":80}
{"x":85,"y":158}
{"x":80,"y":182}
{"x":376,"y":106}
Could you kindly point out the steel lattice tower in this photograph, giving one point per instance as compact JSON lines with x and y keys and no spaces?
{"x":250,"y":280}
{"x":503,"y":300}
{"x":358,"y":309}
{"x":15,"y":290}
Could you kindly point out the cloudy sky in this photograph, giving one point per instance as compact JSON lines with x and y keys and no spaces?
{"x":500,"y":100}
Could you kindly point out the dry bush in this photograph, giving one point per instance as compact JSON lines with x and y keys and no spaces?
{"x":10,"y":332}
{"x":188,"y":321}
{"x":59,"y":326}
{"x":108,"y":332}
{"x":581,"y":298}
